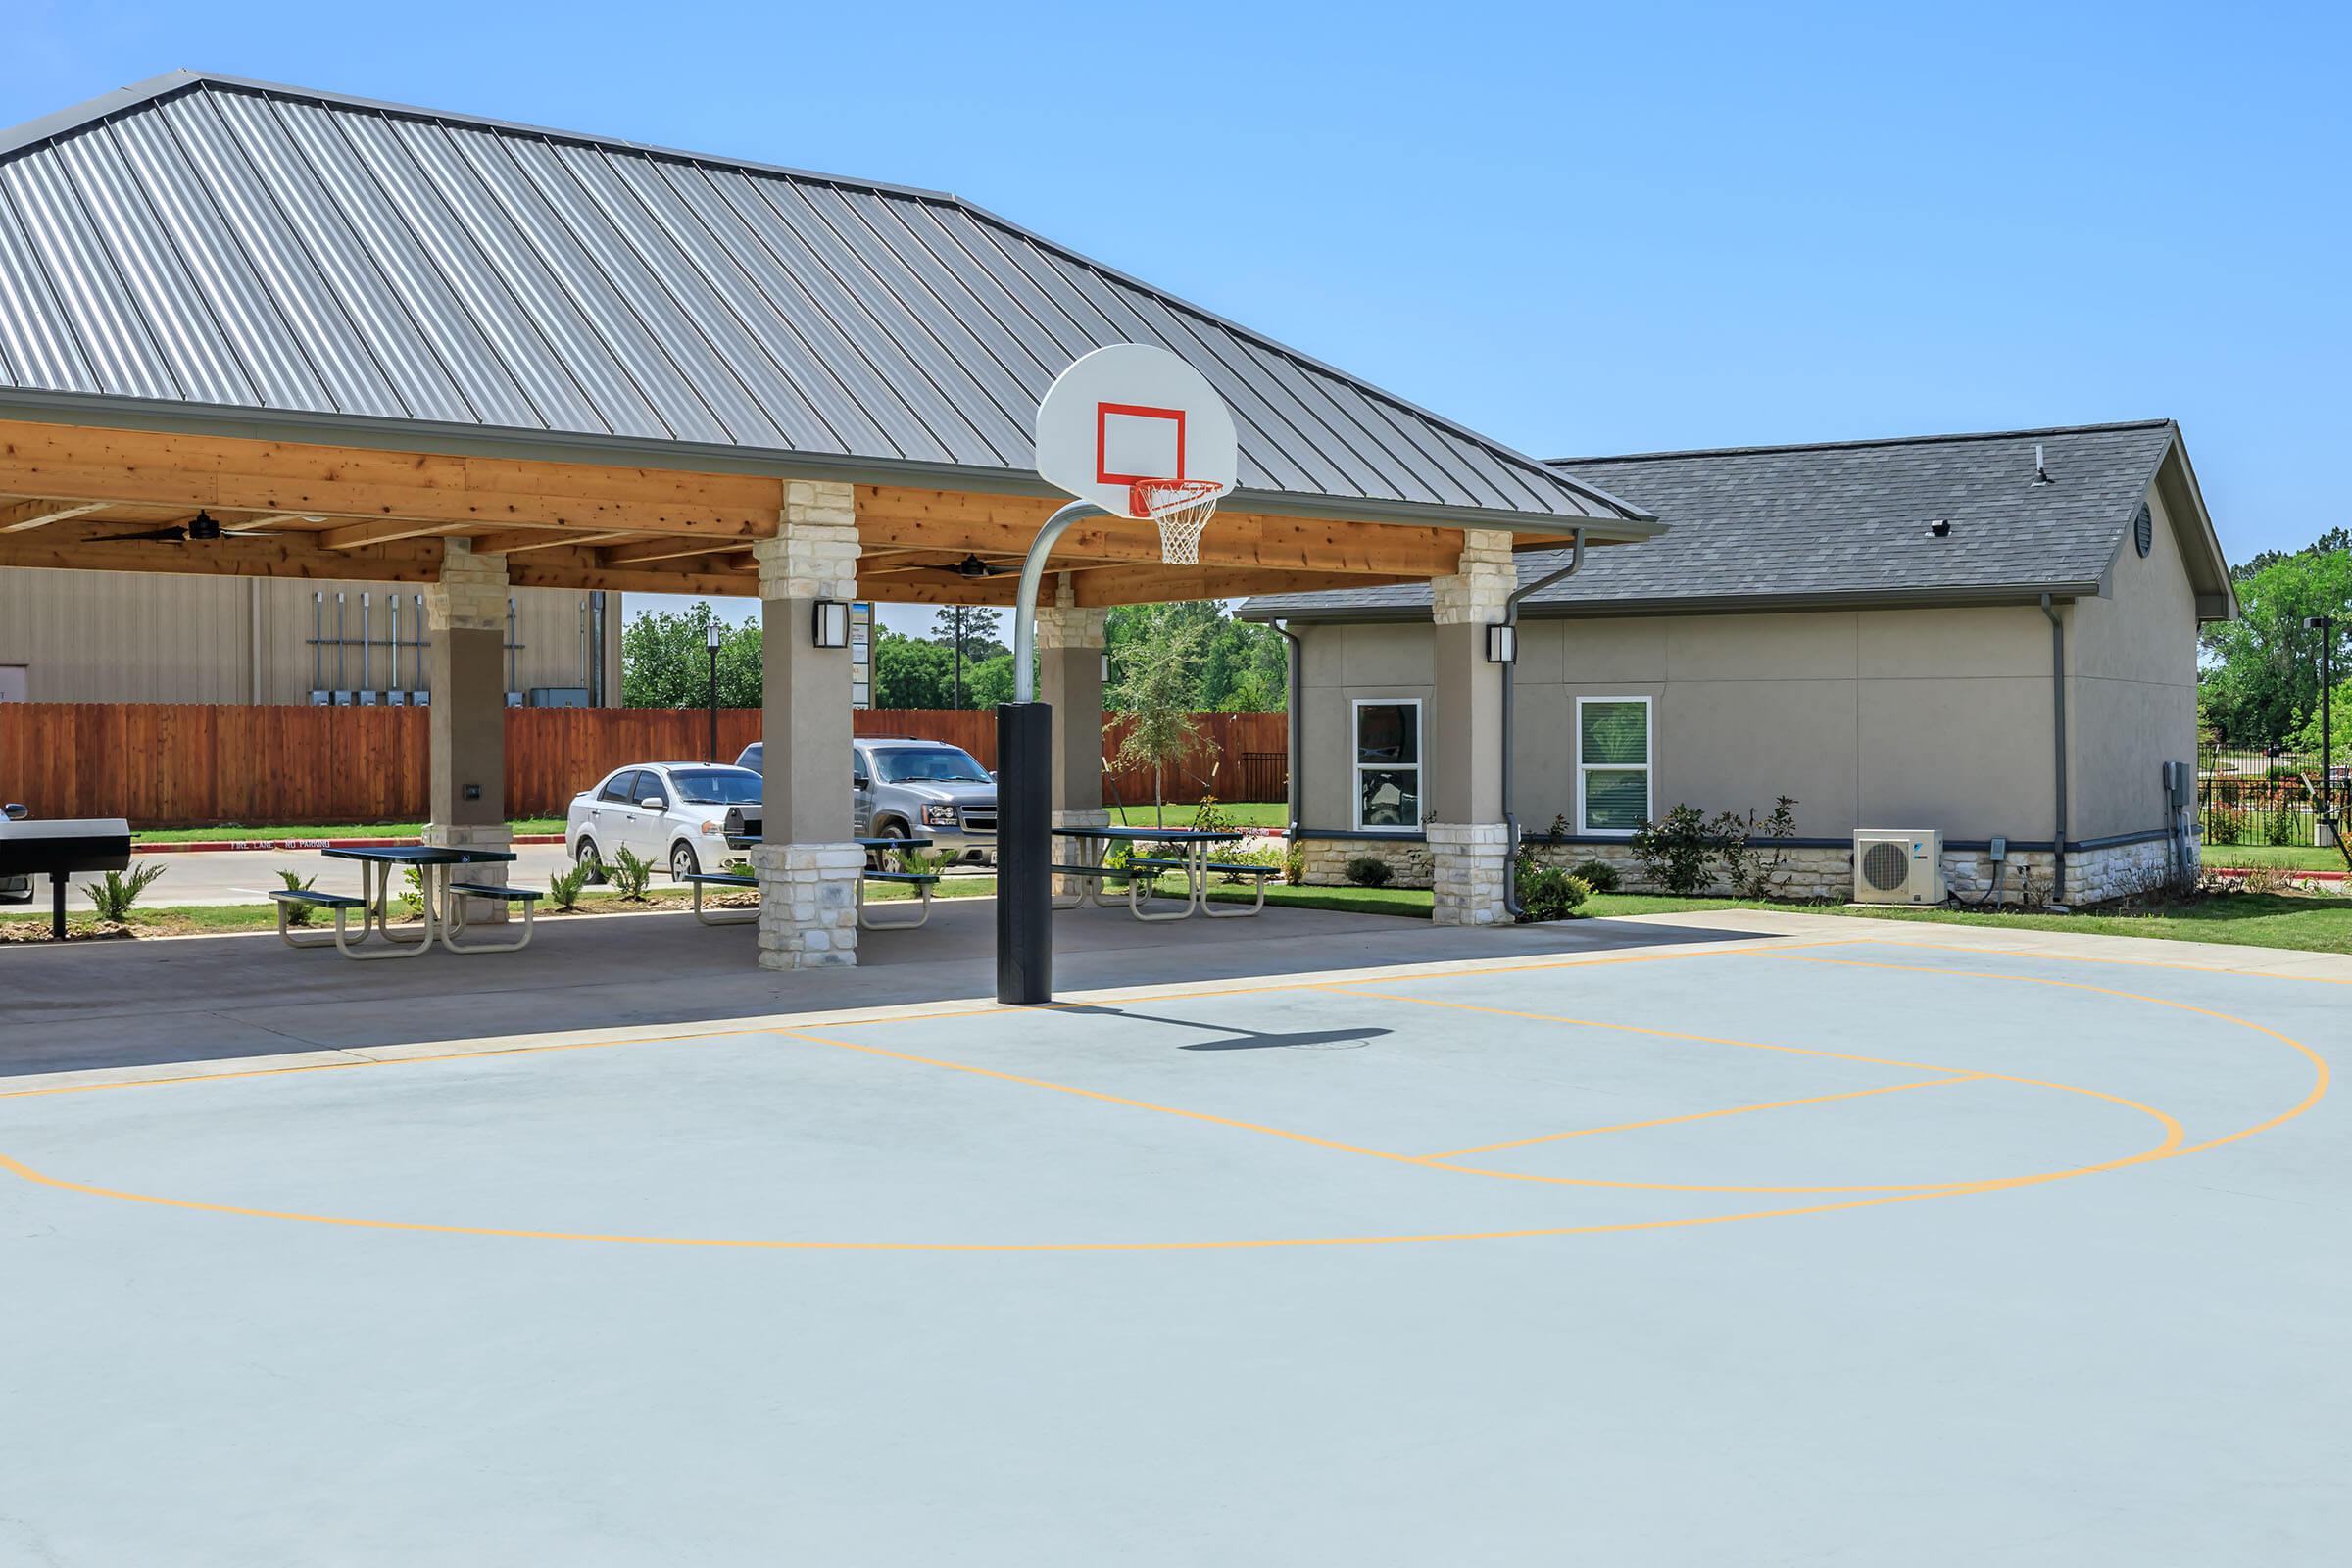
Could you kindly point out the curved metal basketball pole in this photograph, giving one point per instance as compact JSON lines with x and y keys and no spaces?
{"x":1033,"y":573}
{"x":1024,"y":814}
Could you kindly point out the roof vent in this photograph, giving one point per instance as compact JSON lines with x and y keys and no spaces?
{"x":2041,"y":469}
{"x":1941,"y":527}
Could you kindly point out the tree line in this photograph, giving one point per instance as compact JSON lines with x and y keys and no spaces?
{"x":2259,"y":678}
{"x":1199,"y":655}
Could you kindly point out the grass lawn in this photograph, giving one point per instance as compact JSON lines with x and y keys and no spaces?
{"x":340,"y":830}
{"x":1242,"y":814}
{"x":2288,"y":857}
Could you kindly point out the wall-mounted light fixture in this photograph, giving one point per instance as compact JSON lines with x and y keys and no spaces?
{"x":832,"y":629}
{"x":1105,"y":667}
{"x":1502,"y":643}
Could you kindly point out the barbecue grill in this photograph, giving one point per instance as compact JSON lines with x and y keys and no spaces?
{"x":61,"y":849}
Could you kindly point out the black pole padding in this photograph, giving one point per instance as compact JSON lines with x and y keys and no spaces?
{"x":56,"y":906}
{"x":1024,"y":852}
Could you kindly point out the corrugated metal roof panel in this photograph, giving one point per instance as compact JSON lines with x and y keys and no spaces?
{"x":218,"y":242}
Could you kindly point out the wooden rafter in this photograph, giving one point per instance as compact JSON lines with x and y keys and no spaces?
{"x":18,"y":516}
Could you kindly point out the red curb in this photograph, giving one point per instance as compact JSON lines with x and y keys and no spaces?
{"x":195,"y":846}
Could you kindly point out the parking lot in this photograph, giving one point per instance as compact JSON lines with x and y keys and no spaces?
{"x":1682,"y":1246}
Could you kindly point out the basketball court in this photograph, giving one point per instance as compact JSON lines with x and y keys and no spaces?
{"x":1710,"y":1245}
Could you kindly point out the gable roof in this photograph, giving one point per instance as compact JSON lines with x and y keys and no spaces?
{"x":200,"y":245}
{"x":1847,"y":523}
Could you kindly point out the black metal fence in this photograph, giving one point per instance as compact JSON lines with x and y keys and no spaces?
{"x":2258,"y":795}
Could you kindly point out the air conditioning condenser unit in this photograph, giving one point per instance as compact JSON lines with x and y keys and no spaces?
{"x":1895,"y":865}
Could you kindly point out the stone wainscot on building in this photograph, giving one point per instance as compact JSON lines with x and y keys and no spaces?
{"x":1979,"y":634}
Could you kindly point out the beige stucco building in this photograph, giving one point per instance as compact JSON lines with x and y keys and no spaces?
{"x":1860,"y":626}
{"x":132,"y":637}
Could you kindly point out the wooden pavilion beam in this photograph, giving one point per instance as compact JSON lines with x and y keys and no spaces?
{"x":935,"y":519}
{"x":1160,"y":584}
{"x":276,"y":555}
{"x":141,"y":468}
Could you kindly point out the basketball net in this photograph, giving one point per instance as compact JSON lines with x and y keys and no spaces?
{"x":1182,"y":508}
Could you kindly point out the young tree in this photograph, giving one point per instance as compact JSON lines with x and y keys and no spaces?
{"x":1157,"y":691}
{"x":666,"y":660}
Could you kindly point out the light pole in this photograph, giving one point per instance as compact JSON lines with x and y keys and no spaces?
{"x":710,"y":641}
{"x":2324,"y":625}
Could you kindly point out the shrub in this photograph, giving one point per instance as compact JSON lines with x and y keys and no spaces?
{"x":1548,"y":893}
{"x":2279,"y":827}
{"x":1272,"y":856}
{"x":630,"y":873}
{"x":1598,"y":875}
{"x":565,"y":887}
{"x":1752,"y":875}
{"x":412,"y":897}
{"x":1369,"y":872}
{"x":296,"y":882}
{"x":115,"y":895}
{"x":1674,"y":849}
{"x":1294,"y":865}
{"x":2224,"y":826}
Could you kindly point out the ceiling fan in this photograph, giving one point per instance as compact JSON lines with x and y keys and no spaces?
{"x":202,"y":528}
{"x":974,"y":566}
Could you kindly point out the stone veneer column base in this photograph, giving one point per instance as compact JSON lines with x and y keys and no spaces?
{"x":1468,"y":862}
{"x":478,"y":912}
{"x":808,"y":904}
{"x":1066,"y":850}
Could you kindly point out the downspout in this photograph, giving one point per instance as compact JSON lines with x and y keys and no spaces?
{"x":1296,"y":795}
{"x":1511,"y":689}
{"x":2058,"y":740}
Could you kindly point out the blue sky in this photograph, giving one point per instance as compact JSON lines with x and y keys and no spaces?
{"x":1578,"y":229}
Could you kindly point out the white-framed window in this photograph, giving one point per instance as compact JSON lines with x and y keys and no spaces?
{"x":1612,"y":764}
{"x":1385,"y":734}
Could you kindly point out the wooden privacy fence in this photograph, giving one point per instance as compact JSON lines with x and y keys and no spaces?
{"x":192,"y":765}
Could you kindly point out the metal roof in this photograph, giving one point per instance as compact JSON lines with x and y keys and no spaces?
{"x":199,"y":242}
{"x":1844,"y":522}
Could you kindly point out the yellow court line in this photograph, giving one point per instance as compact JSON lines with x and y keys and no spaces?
{"x":1703,"y":1115}
{"x":2087,"y":958}
{"x":2173,"y":1132}
{"x":2321,"y":1074}
{"x":2170,"y":1148}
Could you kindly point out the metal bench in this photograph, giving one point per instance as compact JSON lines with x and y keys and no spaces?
{"x":920,"y":881}
{"x":288,"y":900}
{"x":723,"y":879}
{"x":453,"y":919}
{"x":1098,"y":873}
{"x":1256,"y":873}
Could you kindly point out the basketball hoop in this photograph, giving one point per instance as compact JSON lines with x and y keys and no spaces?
{"x":1182,"y":508}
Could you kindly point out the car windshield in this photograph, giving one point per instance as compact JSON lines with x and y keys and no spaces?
{"x":932,"y":764}
{"x":717,"y":786}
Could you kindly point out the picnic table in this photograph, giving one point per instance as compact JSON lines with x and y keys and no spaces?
{"x":1188,"y":851}
{"x":921,"y":881}
{"x":443,"y":915}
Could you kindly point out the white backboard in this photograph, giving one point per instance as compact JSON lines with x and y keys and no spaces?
{"x":1128,"y":412}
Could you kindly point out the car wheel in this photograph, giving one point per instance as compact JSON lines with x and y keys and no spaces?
{"x":683,"y":864}
{"x":879,"y":860}
{"x":584,"y":853}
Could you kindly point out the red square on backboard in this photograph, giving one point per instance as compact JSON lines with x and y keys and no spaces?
{"x":1106,"y":413}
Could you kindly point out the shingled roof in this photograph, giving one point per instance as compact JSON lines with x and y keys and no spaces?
{"x":1849,"y":523}
{"x":199,"y":246}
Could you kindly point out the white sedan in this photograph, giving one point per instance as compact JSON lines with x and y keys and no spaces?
{"x":673,"y":815}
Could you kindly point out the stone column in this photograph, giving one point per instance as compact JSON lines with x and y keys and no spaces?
{"x":1070,"y":641}
{"x":809,"y":865}
{"x":466,"y":618}
{"x":1462,"y":752}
